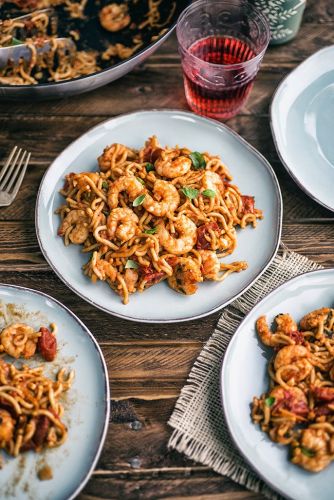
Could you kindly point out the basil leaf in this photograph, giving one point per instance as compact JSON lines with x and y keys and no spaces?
{"x":151,"y":231}
{"x":15,"y":41}
{"x":140,"y":180}
{"x":198,"y":160}
{"x":131,"y":264}
{"x":307,"y":451}
{"x":139,"y":200}
{"x":149,"y":167}
{"x":210,"y":193}
{"x":189,"y":192}
{"x":269,"y":401}
{"x":105,"y":185}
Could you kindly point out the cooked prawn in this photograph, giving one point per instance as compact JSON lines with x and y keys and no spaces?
{"x":168,"y":197}
{"x":127,"y":183}
{"x":293,"y":400}
{"x":19,"y":339}
{"x":103,"y":269}
{"x":285,"y":325}
{"x":313,"y":450}
{"x":114,"y":17}
{"x":185,"y":277}
{"x":169,"y":164}
{"x":122,"y":224}
{"x":293,"y":360}
{"x":213,"y":181}
{"x":210,"y":264}
{"x":314,"y":318}
{"x":187,"y":232}
{"x":131,"y":278}
{"x":76,"y":223}
{"x":6,"y":427}
{"x":113,"y":154}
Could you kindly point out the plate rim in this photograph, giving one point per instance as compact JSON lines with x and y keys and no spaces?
{"x":274,"y":98}
{"x":101,"y":440}
{"x":212,"y":122}
{"x":223,"y":390}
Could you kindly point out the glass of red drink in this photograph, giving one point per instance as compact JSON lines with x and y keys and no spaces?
{"x":222,"y":43}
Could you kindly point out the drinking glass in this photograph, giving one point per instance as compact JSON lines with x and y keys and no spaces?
{"x":222,"y":43}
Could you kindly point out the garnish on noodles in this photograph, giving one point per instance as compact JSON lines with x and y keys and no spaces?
{"x":298,"y":408}
{"x":155,"y":214}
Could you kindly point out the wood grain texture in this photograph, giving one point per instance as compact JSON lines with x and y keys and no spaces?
{"x":149,"y":364}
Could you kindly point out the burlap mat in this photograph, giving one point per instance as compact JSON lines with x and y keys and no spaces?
{"x":200,"y":431}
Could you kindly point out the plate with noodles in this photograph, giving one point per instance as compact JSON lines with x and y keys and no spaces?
{"x":159,"y":216}
{"x":54,"y":397}
{"x":280,"y":412}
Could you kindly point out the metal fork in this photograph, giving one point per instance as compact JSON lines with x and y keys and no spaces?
{"x":11,"y":175}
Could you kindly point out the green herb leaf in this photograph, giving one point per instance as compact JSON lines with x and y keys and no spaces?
{"x":106,"y":213}
{"x":15,"y":41}
{"x":151,"y":231}
{"x":307,"y":451}
{"x":270,"y":401}
{"x":139,"y":200}
{"x":86,"y":195}
{"x":198,"y":160}
{"x":131,"y":264}
{"x":140,"y":180}
{"x":210,"y":193}
{"x":105,"y":185}
{"x":149,"y":167}
{"x":189,"y":192}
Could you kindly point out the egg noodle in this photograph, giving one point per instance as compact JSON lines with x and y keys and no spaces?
{"x":155,"y":214}
{"x":58,"y":63}
{"x":298,"y":408}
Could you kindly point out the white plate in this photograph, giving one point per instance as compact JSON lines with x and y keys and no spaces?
{"x":244,"y":375}
{"x":302,"y":122}
{"x":160,"y":304}
{"x":86,"y":403}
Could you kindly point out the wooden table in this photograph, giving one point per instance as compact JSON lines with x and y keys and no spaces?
{"x":148,"y":365}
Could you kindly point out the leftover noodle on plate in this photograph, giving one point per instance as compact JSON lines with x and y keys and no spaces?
{"x":155,"y":214}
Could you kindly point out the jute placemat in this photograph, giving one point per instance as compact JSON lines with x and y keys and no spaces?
{"x":200,"y":431}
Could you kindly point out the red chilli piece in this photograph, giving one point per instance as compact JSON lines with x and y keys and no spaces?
{"x":325,"y":394}
{"x":202,"y":231}
{"x":150,"y":275}
{"x":247,"y":204}
{"x":47,"y":344}
{"x":297,"y":337}
{"x":42,"y":429}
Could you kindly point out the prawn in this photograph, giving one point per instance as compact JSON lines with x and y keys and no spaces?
{"x":114,"y":17}
{"x":285,"y":326}
{"x":293,"y":362}
{"x":210,"y":264}
{"x":293,"y":400}
{"x":6,"y":427}
{"x":168,"y":195}
{"x":187,"y":232}
{"x":186,"y":275}
{"x":313,"y":450}
{"x":131,"y":278}
{"x":171,"y":165}
{"x":19,"y":339}
{"x":124,"y":183}
{"x":314,"y":319}
{"x":76,"y":222}
{"x":212,"y":181}
{"x":103,"y":269}
{"x":122,"y":223}
{"x":115,"y":153}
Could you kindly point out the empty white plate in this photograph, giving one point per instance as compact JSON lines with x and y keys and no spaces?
{"x":302,"y":121}
{"x":160,"y":304}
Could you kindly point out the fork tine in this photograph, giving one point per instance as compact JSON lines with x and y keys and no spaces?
{"x":6,"y":165}
{"x":9,"y":171}
{"x":16,"y":172}
{"x":20,"y":178}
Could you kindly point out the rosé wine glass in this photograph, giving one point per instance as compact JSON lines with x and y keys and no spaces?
{"x":222,"y":43}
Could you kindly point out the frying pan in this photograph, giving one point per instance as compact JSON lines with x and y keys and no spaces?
{"x":94,"y":38}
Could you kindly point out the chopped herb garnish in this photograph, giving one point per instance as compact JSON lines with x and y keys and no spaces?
{"x":105,"y":185}
{"x":210,"y":193}
{"x":16,"y":41}
{"x":86,"y":195}
{"x":131,"y":264}
{"x":140,"y":180}
{"x":307,"y":451}
{"x":269,"y":401}
{"x":189,"y":192}
{"x":106,"y":213}
{"x":198,"y":160}
{"x":139,"y":200}
{"x":149,"y":167}
{"x":151,"y":231}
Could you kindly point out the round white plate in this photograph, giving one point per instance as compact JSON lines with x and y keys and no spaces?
{"x":302,"y":122}
{"x":86,"y":403}
{"x":244,"y":375}
{"x":160,"y":304}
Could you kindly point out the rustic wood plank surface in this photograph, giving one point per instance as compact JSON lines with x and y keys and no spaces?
{"x":148,"y":365}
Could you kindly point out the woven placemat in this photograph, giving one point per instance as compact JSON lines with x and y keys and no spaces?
{"x":200,"y":431}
